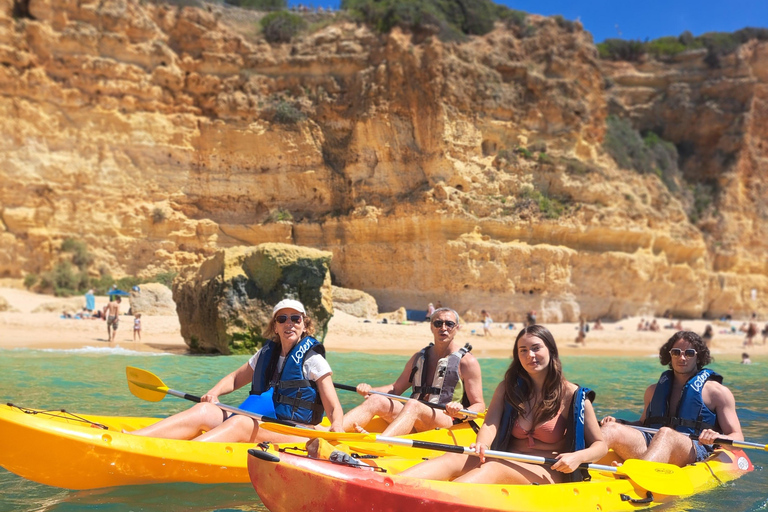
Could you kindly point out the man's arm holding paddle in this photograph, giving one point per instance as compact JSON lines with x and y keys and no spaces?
{"x":724,"y":405}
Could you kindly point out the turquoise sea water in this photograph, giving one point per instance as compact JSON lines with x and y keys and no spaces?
{"x":93,"y":381}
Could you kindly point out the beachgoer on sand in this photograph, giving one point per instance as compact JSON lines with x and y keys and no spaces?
{"x":487,"y":321}
{"x":137,"y":326}
{"x":112,"y":315}
{"x":581,"y":336}
{"x":430,"y":310}
{"x":751,"y":332}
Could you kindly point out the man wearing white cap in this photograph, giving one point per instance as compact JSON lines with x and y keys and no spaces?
{"x":290,"y":379}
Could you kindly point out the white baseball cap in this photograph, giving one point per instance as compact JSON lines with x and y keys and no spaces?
{"x":291,"y":304}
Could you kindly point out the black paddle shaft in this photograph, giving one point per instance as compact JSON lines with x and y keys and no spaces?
{"x":235,"y":410}
{"x":460,"y":449}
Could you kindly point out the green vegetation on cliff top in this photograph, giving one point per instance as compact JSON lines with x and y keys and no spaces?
{"x":453,"y":18}
{"x":717,"y":45}
{"x":70,"y":276}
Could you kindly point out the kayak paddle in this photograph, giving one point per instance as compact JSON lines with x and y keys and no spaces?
{"x":718,"y":440}
{"x":148,"y":386}
{"x":399,"y":398}
{"x":656,"y":477}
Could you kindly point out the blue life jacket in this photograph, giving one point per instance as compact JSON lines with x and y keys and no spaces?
{"x":692,"y":416}
{"x":575,"y":431}
{"x":295,"y":397}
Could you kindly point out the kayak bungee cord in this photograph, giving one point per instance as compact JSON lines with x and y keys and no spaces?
{"x":57,"y":413}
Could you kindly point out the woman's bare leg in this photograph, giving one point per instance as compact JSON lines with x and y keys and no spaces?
{"x":186,"y":424}
{"x":508,"y":472}
{"x":242,"y":429}
{"x":444,"y":467}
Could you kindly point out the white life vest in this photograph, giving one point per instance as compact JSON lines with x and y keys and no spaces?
{"x":445,"y":380}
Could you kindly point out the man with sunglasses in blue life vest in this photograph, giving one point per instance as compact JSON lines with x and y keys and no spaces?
{"x":689,"y":406}
{"x":443,"y":373}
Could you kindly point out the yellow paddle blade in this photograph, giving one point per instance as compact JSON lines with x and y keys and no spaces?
{"x":145,"y":385}
{"x":657,"y":477}
{"x":320,"y":434}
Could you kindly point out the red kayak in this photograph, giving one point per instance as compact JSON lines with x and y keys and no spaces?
{"x":290,"y":482}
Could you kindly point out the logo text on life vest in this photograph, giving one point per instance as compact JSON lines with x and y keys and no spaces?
{"x":299,"y":355}
{"x":699,"y":381}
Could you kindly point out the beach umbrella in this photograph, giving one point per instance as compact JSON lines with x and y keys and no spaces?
{"x":119,"y":293}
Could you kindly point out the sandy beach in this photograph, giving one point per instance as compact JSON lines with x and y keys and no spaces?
{"x":21,"y":328}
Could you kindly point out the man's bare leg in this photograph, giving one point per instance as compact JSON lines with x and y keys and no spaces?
{"x":671,"y":447}
{"x":626,"y":442}
{"x":372,"y":406}
{"x":415,"y":414}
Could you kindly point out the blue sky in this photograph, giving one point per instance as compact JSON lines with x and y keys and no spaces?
{"x":640,"y":19}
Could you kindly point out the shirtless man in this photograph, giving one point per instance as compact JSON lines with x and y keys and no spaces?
{"x":702,"y":407}
{"x":456,"y":385}
{"x":112,"y":315}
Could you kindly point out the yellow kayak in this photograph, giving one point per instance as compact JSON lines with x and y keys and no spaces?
{"x":77,"y":451}
{"x":333,"y":486}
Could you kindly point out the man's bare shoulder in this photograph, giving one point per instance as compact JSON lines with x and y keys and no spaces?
{"x":715,"y":393}
{"x":469,"y":359}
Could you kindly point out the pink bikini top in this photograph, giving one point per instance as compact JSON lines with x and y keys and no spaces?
{"x":550,"y":432}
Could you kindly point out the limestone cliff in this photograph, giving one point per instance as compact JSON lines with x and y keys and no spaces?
{"x":470,"y":173}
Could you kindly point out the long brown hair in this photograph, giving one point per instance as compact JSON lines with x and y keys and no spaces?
{"x":554,"y":383}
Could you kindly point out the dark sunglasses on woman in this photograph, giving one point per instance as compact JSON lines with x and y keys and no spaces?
{"x":296,"y":319}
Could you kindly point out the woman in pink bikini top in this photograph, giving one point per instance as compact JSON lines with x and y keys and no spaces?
{"x":530,"y":413}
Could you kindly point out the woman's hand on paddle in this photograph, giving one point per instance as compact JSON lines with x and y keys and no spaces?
{"x":567,"y":462}
{"x":209,"y":397}
{"x":480,"y":450}
{"x":364,"y":389}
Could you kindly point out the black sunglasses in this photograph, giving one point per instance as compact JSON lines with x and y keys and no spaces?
{"x":439,"y":323}
{"x":689,"y":352}
{"x":296,"y":319}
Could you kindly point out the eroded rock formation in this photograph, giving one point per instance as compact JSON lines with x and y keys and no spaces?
{"x":225,"y":303}
{"x":153,"y":299}
{"x":159,"y":135}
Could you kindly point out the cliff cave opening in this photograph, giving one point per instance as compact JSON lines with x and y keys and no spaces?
{"x":21,"y":10}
